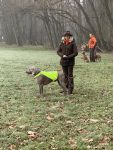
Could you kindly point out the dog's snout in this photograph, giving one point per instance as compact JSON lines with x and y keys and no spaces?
{"x":28,"y":72}
{"x":33,"y":73}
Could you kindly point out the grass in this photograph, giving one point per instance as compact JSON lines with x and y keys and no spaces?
{"x":80,"y":122}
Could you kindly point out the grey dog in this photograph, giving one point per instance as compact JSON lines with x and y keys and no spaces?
{"x":43,"y":80}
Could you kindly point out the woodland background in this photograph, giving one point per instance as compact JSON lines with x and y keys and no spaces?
{"x":43,"y":22}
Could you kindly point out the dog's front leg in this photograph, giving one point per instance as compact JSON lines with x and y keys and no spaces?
{"x":41,"y":89}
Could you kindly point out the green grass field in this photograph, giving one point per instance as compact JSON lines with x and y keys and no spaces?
{"x":78,"y":122}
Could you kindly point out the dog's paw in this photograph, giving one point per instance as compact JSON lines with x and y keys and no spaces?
{"x":38,"y":95}
{"x":65,"y":93}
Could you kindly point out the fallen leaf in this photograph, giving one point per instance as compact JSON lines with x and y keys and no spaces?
{"x":111,"y":138}
{"x":32,"y":135}
{"x":55,"y":107}
{"x":62,"y":133}
{"x":94,"y":120}
{"x":22,"y":127}
{"x":82,"y":131}
{"x":11,"y":126}
{"x":12,"y":147}
{"x":86,"y":140}
{"x":49,"y":118}
{"x":53,"y":148}
{"x":53,"y":139}
{"x":72,"y":143}
{"x":88,"y":147}
{"x":104,"y":141}
{"x":69,"y":122}
{"x":109,"y":121}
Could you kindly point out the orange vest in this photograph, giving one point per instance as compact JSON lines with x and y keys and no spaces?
{"x":92,"y":42}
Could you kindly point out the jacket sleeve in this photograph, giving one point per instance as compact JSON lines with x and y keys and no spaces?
{"x":59,"y":51}
{"x":75,"y":51}
{"x":94,"y":41}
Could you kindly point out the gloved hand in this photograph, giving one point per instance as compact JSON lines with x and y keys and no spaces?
{"x":64,"y":56}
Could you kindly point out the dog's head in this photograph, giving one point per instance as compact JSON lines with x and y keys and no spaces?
{"x":33,"y":71}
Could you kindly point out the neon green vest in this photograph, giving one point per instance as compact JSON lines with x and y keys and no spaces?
{"x":53,"y":75}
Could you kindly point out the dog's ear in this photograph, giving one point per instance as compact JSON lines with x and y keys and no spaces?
{"x":36,"y":71}
{"x":30,"y":70}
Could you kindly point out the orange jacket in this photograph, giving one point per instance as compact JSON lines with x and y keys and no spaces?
{"x":92,"y":42}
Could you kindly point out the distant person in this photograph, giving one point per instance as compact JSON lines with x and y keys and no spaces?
{"x":91,"y":45}
{"x":68,"y":51}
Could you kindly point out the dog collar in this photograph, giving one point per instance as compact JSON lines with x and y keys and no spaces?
{"x":53,"y":75}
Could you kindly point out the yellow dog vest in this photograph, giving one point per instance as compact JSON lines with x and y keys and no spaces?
{"x":53,"y":75}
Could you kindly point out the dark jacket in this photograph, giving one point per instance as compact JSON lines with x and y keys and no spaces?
{"x":70,"y":50}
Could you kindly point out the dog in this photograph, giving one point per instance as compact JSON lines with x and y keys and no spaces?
{"x":44,"y":80}
{"x":97,"y":57}
{"x":85,"y":58}
{"x":84,"y":47}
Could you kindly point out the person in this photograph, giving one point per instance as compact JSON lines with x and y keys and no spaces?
{"x":68,"y":51}
{"x":91,"y":45}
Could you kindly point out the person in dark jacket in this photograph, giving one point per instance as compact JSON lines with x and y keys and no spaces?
{"x":68,"y":51}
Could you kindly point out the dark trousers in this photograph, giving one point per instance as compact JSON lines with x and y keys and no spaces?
{"x":68,"y":72}
{"x":92,"y":54}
